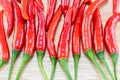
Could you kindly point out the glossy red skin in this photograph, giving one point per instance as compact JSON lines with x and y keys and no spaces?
{"x":109,"y":34}
{"x":9,"y":14}
{"x":65,"y":6}
{"x":24,"y":9}
{"x":116,"y":4}
{"x":52,"y":31}
{"x":50,"y":12}
{"x":64,"y":41}
{"x":75,"y":6}
{"x":98,"y":32}
{"x":41,"y":34}
{"x":4,"y":50}
{"x":86,"y":29}
{"x":30,"y":31}
{"x":19,"y":1}
{"x":76,"y":34}
{"x":40,"y":4}
{"x":18,"y":37}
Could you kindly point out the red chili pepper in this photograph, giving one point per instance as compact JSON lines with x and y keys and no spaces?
{"x":19,"y":1}
{"x":76,"y":4}
{"x":18,"y":37}
{"x":50,"y":12}
{"x":4,"y":50}
{"x":10,"y":16}
{"x":65,"y":6}
{"x":76,"y":36}
{"x":115,"y":6}
{"x":64,"y":43}
{"x":110,"y":40}
{"x":24,"y":9}
{"x":41,"y":39}
{"x":40,"y":4}
{"x":87,"y":36}
{"x":98,"y":40}
{"x":50,"y":39}
{"x":30,"y":38}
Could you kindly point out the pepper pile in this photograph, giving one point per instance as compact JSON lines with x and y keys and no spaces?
{"x":87,"y":30}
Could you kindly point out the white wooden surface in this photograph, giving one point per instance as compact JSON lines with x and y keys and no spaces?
{"x":86,"y":70}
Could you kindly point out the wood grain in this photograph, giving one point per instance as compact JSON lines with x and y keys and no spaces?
{"x":86,"y":70}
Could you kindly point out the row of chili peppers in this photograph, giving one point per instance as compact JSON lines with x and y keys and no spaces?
{"x":22,"y":21}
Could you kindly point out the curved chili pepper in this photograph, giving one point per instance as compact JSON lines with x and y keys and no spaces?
{"x":41,"y":39}
{"x":9,"y":14}
{"x":24,"y":9}
{"x":98,"y":40}
{"x":115,"y":6}
{"x":110,"y":40}
{"x":40,"y":4}
{"x":50,"y":39}
{"x":4,"y":50}
{"x":76,"y":4}
{"x":18,"y":37}
{"x":64,"y":43}
{"x":65,"y":6}
{"x":30,"y":38}
{"x":50,"y":12}
{"x":76,"y":36}
{"x":87,"y":36}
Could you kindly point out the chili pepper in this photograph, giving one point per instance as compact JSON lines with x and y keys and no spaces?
{"x":18,"y":37}
{"x":24,"y":9}
{"x":4,"y":50}
{"x":41,"y":39}
{"x":30,"y":38}
{"x":50,"y":12}
{"x":98,"y":40}
{"x":110,"y":40}
{"x":76,"y":36}
{"x":64,"y":43}
{"x":65,"y":6}
{"x":19,"y":1}
{"x":76,"y":4}
{"x":40,"y":4}
{"x":87,"y":36}
{"x":9,"y":14}
{"x":115,"y":6}
{"x":50,"y":39}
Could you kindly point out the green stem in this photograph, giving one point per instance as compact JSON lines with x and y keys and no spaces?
{"x":76,"y":61}
{"x":115,"y":60}
{"x":90,"y":54}
{"x":26,"y":58}
{"x":100,"y":56}
{"x":40,"y":56}
{"x":2,"y":62}
{"x":54,"y":61}
{"x":15,"y":54}
{"x":63,"y":63}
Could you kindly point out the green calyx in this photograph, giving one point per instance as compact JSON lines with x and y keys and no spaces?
{"x":90,"y":54}
{"x":115,"y":60}
{"x":100,"y":56}
{"x":2,"y":62}
{"x":54,"y":61}
{"x":76,"y":61}
{"x":40,"y":56}
{"x":64,"y":65}
{"x":15,"y":54}
{"x":26,"y":58}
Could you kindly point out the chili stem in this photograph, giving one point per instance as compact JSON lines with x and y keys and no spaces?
{"x":115,"y":60}
{"x":40,"y":56}
{"x":54,"y":61}
{"x":90,"y":54}
{"x":76,"y":61}
{"x":63,"y":63}
{"x":15,"y":54}
{"x":26,"y":58}
{"x":2,"y":62}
